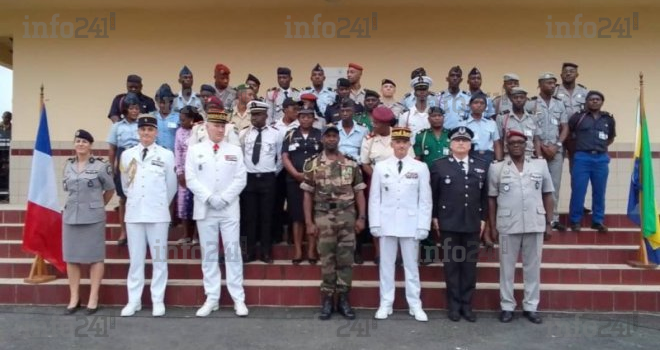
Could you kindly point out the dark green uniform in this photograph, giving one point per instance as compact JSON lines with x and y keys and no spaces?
{"x":430,"y":148}
{"x":364,"y":120}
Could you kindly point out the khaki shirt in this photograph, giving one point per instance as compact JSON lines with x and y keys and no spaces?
{"x":502,"y":103}
{"x":520,"y":195}
{"x":549,"y":116}
{"x":377,"y":148}
{"x":241,"y":120}
{"x":527,"y":125}
{"x":84,"y":203}
{"x":574,"y":102}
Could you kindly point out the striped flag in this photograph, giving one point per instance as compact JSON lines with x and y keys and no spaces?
{"x":641,"y":198}
{"x":42,"y":234}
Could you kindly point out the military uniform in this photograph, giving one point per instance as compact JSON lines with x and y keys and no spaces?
{"x":324,"y":98}
{"x":83,"y":218}
{"x":409,"y":100}
{"x":573,"y":102}
{"x":460,"y":204}
{"x":521,"y":222}
{"x":274,"y":97}
{"x":199,"y":134}
{"x":549,"y":118}
{"x":456,"y":107}
{"x":216,"y":172}
{"x":502,"y":104}
{"x":227,"y":96}
{"x":376,"y":148}
{"x":590,"y":163}
{"x":526,"y":125}
{"x":333,"y":185}
{"x":150,"y":184}
{"x":400,"y":206}
{"x":429,"y":148}
{"x":489,"y":112}
{"x":299,"y":147}
{"x":123,"y":135}
{"x":486,"y":134}
{"x":397,"y":108}
{"x":240,"y":120}
{"x":332,"y":112}
{"x":350,"y":143}
{"x":363,"y":119}
{"x":415,"y":120}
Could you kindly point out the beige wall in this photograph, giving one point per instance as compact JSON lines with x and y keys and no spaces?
{"x":82,"y":75}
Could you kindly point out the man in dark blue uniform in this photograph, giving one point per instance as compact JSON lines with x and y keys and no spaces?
{"x":134,"y":85}
{"x":460,"y":198}
{"x":592,"y":131}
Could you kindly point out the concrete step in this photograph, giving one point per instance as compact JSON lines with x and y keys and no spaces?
{"x":364,"y":294}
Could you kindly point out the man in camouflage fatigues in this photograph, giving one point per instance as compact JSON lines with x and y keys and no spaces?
{"x":333,"y":186}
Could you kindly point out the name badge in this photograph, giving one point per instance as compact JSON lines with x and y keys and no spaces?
{"x":158,"y":163}
{"x":445,"y":151}
{"x":171,"y":125}
{"x":231,"y":158}
{"x":555,"y":121}
{"x":411,"y":175}
{"x":602,"y":135}
{"x":528,"y":133}
{"x":293,"y":147}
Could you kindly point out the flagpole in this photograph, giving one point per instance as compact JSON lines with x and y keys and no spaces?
{"x":642,"y":254}
{"x":39,"y":271}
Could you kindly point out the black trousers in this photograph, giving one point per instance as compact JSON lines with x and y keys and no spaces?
{"x":280,"y":216}
{"x":461,"y":252}
{"x":257,"y":201}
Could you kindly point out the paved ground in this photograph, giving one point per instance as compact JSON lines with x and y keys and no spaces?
{"x":281,"y":328}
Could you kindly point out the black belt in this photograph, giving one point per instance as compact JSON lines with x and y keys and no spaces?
{"x":260,"y":175}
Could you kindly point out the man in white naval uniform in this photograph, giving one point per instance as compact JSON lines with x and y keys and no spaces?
{"x":400,"y":206}
{"x":216,"y":175}
{"x":149,"y":181}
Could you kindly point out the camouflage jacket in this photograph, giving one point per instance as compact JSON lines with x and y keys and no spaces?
{"x":333,"y":183}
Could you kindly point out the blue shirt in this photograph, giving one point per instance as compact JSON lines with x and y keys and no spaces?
{"x":490,"y":107}
{"x":456,"y":107}
{"x":350,"y":143}
{"x":409,"y":100}
{"x":323,"y":99}
{"x":485,"y":133}
{"x":167,"y":129}
{"x":124,"y":134}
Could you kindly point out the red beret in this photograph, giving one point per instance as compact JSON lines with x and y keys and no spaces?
{"x":512,"y":133}
{"x":356,"y":66}
{"x":308,"y":97}
{"x":216,"y":102}
{"x":219,"y":68}
{"x":382,"y":114}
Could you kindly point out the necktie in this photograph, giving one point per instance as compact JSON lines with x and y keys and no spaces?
{"x":215,"y":148}
{"x":400,"y":166}
{"x":286,"y":94}
{"x":144,"y":153}
{"x":462,"y":163}
{"x":256,"y":150}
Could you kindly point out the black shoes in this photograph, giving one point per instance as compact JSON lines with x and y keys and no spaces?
{"x":266,"y":258}
{"x":506,"y":316}
{"x":122,"y":242}
{"x":469,"y":315}
{"x":344,"y":307}
{"x":599,"y":227}
{"x":326,"y":307}
{"x":358,"y":259}
{"x":90,"y":311}
{"x":558,"y":226}
{"x":454,"y":316}
{"x":533,"y":317}
{"x":71,"y":311}
{"x":575,"y":226}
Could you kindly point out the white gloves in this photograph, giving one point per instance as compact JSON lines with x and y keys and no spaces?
{"x":375,"y":231}
{"x":216,"y":202}
{"x":421,"y":234}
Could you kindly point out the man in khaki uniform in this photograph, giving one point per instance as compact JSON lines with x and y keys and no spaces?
{"x":550,"y":115}
{"x":520,"y":120}
{"x":572,"y":94}
{"x":520,"y":207}
{"x":503,"y":103}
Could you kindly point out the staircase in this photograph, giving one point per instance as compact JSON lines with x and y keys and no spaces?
{"x":583,"y":271}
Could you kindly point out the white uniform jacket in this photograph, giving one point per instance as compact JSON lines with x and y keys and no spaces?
{"x":221,"y":173}
{"x":149,"y":184}
{"x":400,"y":203}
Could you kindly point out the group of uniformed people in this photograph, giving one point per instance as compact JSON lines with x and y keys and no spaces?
{"x":350,"y":162}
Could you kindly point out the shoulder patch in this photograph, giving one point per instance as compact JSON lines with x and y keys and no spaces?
{"x":582,"y":86}
{"x":309,"y":163}
{"x":349,"y":157}
{"x":329,"y":89}
{"x":534,"y":98}
{"x":407,"y":95}
{"x":556,"y":98}
{"x":307,"y":88}
{"x":294,"y":89}
{"x":72,"y":159}
{"x":101,"y":159}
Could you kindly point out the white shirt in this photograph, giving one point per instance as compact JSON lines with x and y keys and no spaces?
{"x":466,"y":163}
{"x":415,"y":120}
{"x":270,"y":159}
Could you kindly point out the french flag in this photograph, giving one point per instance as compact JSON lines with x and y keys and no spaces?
{"x":42,"y":234}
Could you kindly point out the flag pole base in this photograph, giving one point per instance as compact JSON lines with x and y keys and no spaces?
{"x":38,"y":272}
{"x":641,"y":265}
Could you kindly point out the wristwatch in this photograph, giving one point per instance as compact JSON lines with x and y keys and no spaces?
{"x":362,"y":217}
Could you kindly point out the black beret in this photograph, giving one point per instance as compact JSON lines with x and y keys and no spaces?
{"x":134,"y":78}
{"x":370,"y":93}
{"x":456,"y":69}
{"x":165,"y":92}
{"x":283,"y":71}
{"x":208,"y":88}
{"x":436,"y":109}
{"x":343,"y":82}
{"x":594,"y":92}
{"x":417,"y":72}
{"x":479,"y":95}
{"x":387,"y":81}
{"x":290,"y":102}
{"x":347,"y":103}
{"x":474,"y":71}
{"x":317,"y":68}
{"x":251,"y":77}
{"x":184,"y":71}
{"x":130,"y":99}
{"x":85,"y":135}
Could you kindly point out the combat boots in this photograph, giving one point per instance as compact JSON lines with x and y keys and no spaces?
{"x":326,"y":307}
{"x":344,"y":307}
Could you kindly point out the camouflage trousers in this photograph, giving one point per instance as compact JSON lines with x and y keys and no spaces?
{"x":336,"y":246}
